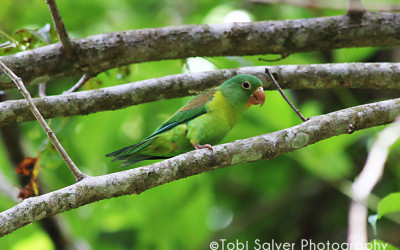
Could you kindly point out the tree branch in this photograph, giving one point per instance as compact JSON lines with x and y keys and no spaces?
{"x":60,"y":27}
{"x":79,"y":84}
{"x":369,"y":177}
{"x":137,"y":180}
{"x":319,"y":76}
{"x":105,"y":51}
{"x":71,"y":165}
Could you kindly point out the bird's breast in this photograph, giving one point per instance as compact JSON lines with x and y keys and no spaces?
{"x":212,"y":127}
{"x":223,"y":111}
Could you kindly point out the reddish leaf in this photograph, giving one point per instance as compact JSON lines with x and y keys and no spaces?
{"x":26,"y":166}
{"x":29,"y":170}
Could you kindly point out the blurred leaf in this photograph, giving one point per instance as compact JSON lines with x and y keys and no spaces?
{"x":123,"y":72}
{"x":25,"y":39}
{"x":241,"y":61}
{"x":214,"y":62}
{"x":353,"y":54}
{"x":45,"y":33}
{"x":34,"y":240}
{"x":93,"y":83}
{"x":7,"y":44}
{"x":389,"y":204}
{"x":28,"y":38}
{"x":28,"y":169}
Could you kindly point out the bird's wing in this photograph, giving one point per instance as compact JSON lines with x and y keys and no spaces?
{"x":191,"y":110}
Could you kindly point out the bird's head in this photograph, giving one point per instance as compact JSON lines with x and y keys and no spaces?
{"x":244,"y":89}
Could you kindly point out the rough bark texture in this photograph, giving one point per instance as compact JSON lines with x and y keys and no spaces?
{"x":105,"y":51}
{"x":137,"y":180}
{"x":60,"y":27}
{"x":320,"y":76}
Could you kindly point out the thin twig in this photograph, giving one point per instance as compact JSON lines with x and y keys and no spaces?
{"x":75,"y":171}
{"x":367,"y":180}
{"x":60,"y":27}
{"x":284,"y":96}
{"x":42,"y":89}
{"x":79,"y":84}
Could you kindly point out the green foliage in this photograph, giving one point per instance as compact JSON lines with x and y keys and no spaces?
{"x":25,"y":39}
{"x":389,"y":204}
{"x":295,"y":196}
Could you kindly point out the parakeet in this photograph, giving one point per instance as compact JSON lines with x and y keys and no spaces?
{"x":202,"y":122}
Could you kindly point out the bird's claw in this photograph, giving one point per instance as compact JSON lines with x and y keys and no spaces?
{"x":198,"y":146}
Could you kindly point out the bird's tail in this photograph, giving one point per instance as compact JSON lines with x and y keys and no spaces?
{"x":120,"y":151}
{"x":127,"y":151}
{"x":131,"y":155}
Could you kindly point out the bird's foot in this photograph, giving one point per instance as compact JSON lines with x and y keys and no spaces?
{"x":198,"y":146}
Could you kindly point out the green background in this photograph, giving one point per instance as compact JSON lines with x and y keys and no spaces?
{"x":300,"y":195}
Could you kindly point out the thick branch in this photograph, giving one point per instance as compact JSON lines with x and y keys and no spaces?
{"x":137,"y":180}
{"x":105,"y":51}
{"x":369,"y":177}
{"x":320,"y":76}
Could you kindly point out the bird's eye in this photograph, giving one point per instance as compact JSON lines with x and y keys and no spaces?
{"x":246,"y":85}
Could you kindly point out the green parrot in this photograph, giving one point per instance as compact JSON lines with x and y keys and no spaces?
{"x":202,"y":122}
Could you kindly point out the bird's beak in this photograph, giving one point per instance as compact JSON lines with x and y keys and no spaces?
{"x":258,"y":97}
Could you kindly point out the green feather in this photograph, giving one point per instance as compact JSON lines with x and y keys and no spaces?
{"x":193,"y":109}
